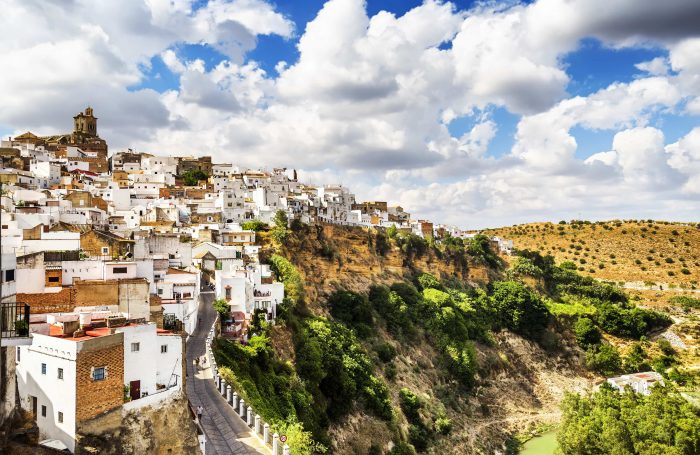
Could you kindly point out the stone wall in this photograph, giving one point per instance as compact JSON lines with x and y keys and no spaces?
{"x":96,"y":397}
{"x":164,"y":428}
{"x":96,"y":292}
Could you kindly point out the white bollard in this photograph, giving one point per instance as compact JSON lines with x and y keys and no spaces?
{"x":234,"y":401}
{"x":285,"y":450}
{"x":257,"y":424}
{"x":223,"y":387}
{"x":249,"y":419}
{"x":241,"y":407}
{"x":228,"y":394}
{"x":275,"y":444}
{"x":266,"y":433}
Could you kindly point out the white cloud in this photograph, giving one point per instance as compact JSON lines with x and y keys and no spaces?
{"x":656,"y":67}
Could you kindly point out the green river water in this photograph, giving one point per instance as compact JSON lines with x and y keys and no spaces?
{"x":545,"y":444}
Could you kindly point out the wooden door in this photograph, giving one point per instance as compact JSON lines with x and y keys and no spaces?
{"x":135,"y":389}
{"x":34,"y":407}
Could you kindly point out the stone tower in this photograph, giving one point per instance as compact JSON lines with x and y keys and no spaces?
{"x":85,"y":123}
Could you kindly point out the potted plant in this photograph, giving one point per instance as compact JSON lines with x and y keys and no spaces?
{"x":22,"y":327}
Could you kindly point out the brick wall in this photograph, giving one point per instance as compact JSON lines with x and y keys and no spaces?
{"x":54,"y":302}
{"x":96,"y":397}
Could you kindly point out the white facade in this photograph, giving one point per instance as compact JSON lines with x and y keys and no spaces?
{"x":38,"y":376}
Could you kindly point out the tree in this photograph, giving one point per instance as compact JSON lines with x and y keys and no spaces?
{"x":609,"y":422}
{"x":280,"y":231}
{"x":253,"y":225}
{"x":604,"y":359}
{"x":221,"y":306}
{"x":193,"y":177}
{"x":586,"y":332}
{"x":519,"y":309}
{"x":428,"y":281}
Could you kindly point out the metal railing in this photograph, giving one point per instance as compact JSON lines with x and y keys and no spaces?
{"x":14,"y":320}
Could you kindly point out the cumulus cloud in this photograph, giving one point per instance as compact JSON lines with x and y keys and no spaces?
{"x":369,"y":101}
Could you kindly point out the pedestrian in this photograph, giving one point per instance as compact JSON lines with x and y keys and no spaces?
{"x":196,"y":363}
{"x":200,"y":410}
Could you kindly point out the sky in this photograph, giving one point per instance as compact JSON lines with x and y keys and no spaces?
{"x":470,"y":113}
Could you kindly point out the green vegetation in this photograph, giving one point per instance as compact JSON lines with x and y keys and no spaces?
{"x":293,"y":284}
{"x":609,"y":422}
{"x":338,"y":370}
{"x":280,"y":231}
{"x":253,"y":225}
{"x":192,"y":178}
{"x":687,"y":303}
{"x":519,"y":309}
{"x":221,"y":306}
{"x":587,"y":333}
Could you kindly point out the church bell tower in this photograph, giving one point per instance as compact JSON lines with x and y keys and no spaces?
{"x":85,"y":123}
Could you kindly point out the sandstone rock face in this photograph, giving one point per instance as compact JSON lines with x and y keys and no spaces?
{"x":331,"y":257}
{"x":161,"y":429}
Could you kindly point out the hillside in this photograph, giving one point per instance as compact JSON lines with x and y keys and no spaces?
{"x":648,"y":252}
{"x":389,"y":344}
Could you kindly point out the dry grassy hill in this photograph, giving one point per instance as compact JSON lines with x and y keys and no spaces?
{"x":646,"y":251}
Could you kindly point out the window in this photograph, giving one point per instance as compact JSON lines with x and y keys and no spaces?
{"x":228,"y":292}
{"x":60,"y":373}
{"x":105,"y":250}
{"x":99,"y":374}
{"x":163,"y":348}
{"x":119,"y":270}
{"x":60,"y":417}
{"x":18,"y":351}
{"x":160,"y":291}
{"x":43,"y":368}
{"x":53,"y":279}
{"x":10,"y":275}
{"x":43,"y":410}
{"x":135,"y":347}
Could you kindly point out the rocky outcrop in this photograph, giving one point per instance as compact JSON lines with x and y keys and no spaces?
{"x":164,"y":428}
{"x":331,"y":257}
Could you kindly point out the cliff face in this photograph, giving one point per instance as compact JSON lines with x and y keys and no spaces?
{"x":520,"y":383}
{"x":331,"y":257}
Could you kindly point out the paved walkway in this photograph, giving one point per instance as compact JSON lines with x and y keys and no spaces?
{"x":225,"y":431}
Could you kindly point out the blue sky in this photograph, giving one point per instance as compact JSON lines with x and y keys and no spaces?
{"x":592,"y":66}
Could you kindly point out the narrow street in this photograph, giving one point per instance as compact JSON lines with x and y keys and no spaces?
{"x":225,"y":431}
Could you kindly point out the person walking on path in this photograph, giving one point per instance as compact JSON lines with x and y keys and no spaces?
{"x":200,"y":410}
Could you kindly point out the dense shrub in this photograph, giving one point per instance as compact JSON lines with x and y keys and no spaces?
{"x":604,"y":359}
{"x":519,"y":309}
{"x":289,"y":275}
{"x":410,"y":404}
{"x":609,"y":422}
{"x":385,"y":351}
{"x":443,"y":425}
{"x":192,"y":178}
{"x":635,"y":360}
{"x":479,"y":248}
{"x":334,"y":364}
{"x":352,"y":308}
{"x":253,"y":225}
{"x":428,"y":281}
{"x":586,"y":332}
{"x":629,"y":322}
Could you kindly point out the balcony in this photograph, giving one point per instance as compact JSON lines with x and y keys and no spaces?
{"x":14,"y":324}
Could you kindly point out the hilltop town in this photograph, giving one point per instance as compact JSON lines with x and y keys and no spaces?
{"x":107,"y":258}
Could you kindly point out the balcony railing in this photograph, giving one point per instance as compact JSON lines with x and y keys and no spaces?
{"x":14,"y":320}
